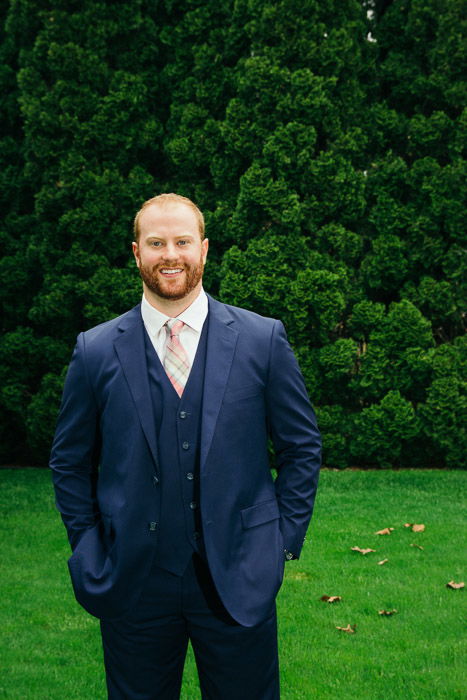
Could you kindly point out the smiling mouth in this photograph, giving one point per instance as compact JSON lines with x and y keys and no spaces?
{"x":170,"y":271}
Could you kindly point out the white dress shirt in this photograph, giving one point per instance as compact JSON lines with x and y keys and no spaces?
{"x":193,"y":317}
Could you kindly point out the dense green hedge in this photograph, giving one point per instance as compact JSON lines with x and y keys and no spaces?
{"x":323,"y":140}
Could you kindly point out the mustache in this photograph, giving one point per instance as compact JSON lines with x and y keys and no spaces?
{"x":171,"y":266}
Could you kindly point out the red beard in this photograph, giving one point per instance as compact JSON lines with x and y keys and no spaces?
{"x":172,"y":289}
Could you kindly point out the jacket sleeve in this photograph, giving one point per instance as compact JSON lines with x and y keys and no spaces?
{"x":75,"y":450}
{"x":296,"y":440}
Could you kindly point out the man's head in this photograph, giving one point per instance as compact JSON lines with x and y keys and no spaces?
{"x":170,"y":251}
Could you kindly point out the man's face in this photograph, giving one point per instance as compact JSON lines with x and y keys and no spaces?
{"x":170,"y":254}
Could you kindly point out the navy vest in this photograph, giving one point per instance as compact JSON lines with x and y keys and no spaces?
{"x":178,"y":427}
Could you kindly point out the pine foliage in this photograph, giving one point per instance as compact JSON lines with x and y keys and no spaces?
{"x":324,"y":142}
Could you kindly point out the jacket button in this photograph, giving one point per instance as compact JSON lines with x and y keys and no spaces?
{"x":182,"y":414}
{"x":190,"y":476}
{"x":196,"y":535}
{"x":155,"y":480}
{"x":152,"y":527}
{"x":193,"y":505}
{"x":185,"y":445}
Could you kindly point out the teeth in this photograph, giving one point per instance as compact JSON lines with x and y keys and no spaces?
{"x":171,"y":271}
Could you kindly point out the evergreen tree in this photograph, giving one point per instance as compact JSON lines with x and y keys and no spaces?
{"x":323,"y":141}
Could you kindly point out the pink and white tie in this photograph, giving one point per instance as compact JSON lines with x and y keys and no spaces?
{"x":176,"y":362}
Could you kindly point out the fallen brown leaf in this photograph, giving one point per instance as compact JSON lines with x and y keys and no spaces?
{"x":415,"y":527}
{"x":387,"y":612}
{"x":331,"y":598}
{"x":350,"y":629}
{"x":385,"y":531}
{"x":362,"y":551}
{"x":454,"y":585}
{"x":383,"y":561}
{"x":418,"y":546}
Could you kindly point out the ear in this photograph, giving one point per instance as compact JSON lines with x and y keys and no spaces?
{"x":135,"y":249}
{"x":204,"y":248}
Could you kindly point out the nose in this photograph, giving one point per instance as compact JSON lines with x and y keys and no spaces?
{"x":170,"y":251}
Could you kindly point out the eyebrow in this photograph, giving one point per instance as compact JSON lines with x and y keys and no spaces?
{"x":182,"y":235}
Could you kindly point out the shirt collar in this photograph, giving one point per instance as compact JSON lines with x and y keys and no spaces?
{"x":194,"y":316}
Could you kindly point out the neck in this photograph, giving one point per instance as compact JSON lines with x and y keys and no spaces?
{"x":171,"y":307}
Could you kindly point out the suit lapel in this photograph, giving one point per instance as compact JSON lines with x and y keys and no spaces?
{"x":129,"y":346}
{"x":221,"y":342}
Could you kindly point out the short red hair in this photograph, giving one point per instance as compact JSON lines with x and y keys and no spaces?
{"x":166,"y":200}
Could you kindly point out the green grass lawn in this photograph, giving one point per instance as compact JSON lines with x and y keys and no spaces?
{"x":51,"y":647}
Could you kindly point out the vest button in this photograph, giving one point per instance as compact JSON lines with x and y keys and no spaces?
{"x":185,"y":445}
{"x":152,"y":527}
{"x":155,"y":480}
{"x":193,"y":505}
{"x":190,"y":476}
{"x":182,"y":414}
{"x":196,"y":535}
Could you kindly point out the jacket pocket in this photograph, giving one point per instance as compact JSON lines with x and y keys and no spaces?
{"x":243,"y":392}
{"x":260,"y":513}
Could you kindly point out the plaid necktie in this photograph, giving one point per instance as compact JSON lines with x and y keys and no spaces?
{"x":176,"y":362}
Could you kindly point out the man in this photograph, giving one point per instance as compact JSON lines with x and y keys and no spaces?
{"x":161,"y":472}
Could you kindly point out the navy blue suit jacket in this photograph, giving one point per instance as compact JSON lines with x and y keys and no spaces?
{"x":105,"y":457}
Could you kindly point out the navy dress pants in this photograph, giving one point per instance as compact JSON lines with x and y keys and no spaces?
{"x":144,"y":654}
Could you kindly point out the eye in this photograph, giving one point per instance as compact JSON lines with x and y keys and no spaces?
{"x":155,"y":244}
{"x":183,"y":242}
